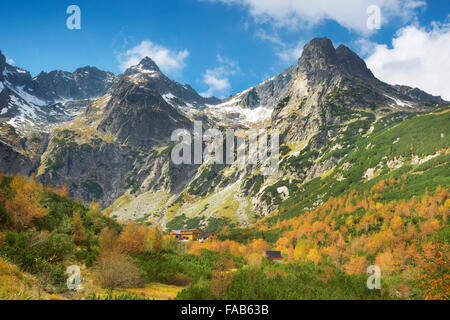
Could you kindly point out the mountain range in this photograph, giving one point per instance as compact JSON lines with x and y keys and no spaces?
{"x":107,"y":137}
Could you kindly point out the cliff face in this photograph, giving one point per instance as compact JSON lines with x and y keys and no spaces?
{"x":137,"y":114}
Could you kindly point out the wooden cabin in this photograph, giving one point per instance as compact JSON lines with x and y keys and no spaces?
{"x":274,"y":256}
{"x":205,"y":236}
{"x":186,"y":234}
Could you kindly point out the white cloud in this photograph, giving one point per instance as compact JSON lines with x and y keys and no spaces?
{"x":287,"y":52}
{"x":418,"y":58}
{"x":10,"y":61}
{"x":351,"y":14}
{"x":290,"y":53}
{"x":272,"y":37}
{"x":170,"y":62}
{"x":365,"y":46}
{"x":416,"y":4}
{"x":217,"y":79}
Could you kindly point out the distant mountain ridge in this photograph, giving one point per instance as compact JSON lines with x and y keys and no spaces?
{"x":83,"y":83}
{"x":28,"y":101}
{"x":50,"y":87}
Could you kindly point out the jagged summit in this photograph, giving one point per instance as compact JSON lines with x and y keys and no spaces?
{"x":145,"y":66}
{"x":83,"y":83}
{"x":87,"y":69}
{"x":318,"y":52}
{"x":32,"y":104}
{"x":148,"y":74}
{"x":320,"y":55}
{"x":148,"y":64}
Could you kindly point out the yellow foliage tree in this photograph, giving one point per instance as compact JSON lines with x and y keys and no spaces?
{"x":108,"y":240}
{"x":133,"y":238}
{"x":302,"y":249}
{"x":156,"y":239}
{"x":254,"y":259}
{"x":79,"y":234}
{"x":314,"y":256}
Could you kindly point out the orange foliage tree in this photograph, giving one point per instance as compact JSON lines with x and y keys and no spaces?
{"x":435,"y":271}
{"x":24,"y":205}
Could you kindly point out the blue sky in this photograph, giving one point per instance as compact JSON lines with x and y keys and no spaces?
{"x":222,"y":47}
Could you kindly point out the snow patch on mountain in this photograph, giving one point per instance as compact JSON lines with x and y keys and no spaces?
{"x":168,"y":97}
{"x":30,"y":99}
{"x":399,"y":102}
{"x":231,"y":108}
{"x":258,"y":114}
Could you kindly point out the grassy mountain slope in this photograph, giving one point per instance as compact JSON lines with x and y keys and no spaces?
{"x":416,"y":149}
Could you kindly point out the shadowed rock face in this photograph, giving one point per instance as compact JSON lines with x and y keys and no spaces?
{"x":352,"y":63}
{"x":320,"y":55}
{"x":19,"y":154}
{"x":139,"y":116}
{"x":93,"y":171}
{"x":87,"y":82}
{"x":12,"y":162}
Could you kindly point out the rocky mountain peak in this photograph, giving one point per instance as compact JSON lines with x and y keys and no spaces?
{"x":148,"y":74}
{"x":318,"y":53}
{"x":87,"y":70}
{"x":145,"y":70}
{"x":319,"y":62}
{"x":148,"y":64}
